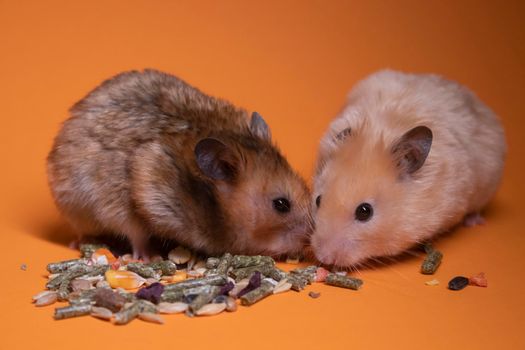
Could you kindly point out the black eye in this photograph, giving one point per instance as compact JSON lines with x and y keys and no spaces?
{"x":318,"y":201}
{"x":281,"y":205}
{"x":364,"y":212}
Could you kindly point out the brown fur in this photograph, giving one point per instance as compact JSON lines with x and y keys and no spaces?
{"x":125,"y":163}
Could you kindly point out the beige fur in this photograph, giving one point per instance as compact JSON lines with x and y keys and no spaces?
{"x":460,"y":175}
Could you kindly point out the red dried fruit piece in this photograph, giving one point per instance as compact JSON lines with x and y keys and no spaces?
{"x":479,"y":280}
{"x":321,"y":274}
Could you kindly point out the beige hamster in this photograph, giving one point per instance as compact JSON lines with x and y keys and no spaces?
{"x":146,"y":154}
{"x":410,"y":156}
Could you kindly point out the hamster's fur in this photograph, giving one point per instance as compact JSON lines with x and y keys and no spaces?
{"x":424,"y":153}
{"x":146,"y":154}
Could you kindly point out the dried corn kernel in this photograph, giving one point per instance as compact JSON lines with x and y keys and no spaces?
{"x":124,"y":279}
{"x":99,"y":253}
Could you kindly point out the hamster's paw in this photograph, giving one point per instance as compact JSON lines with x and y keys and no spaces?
{"x":473,"y":219}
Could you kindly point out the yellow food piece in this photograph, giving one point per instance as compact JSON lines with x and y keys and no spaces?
{"x":104,"y":252}
{"x":124,"y":279}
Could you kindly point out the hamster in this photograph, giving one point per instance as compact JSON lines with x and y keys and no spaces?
{"x":145,"y":154}
{"x":410,"y":156}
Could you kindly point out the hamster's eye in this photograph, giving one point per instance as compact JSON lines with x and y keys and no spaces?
{"x":318,"y":201}
{"x":282,"y":205}
{"x":364,"y":212}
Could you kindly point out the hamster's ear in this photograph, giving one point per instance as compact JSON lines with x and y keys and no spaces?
{"x":259,"y":127}
{"x":216,"y":160}
{"x":342,"y":135}
{"x":412,"y":149}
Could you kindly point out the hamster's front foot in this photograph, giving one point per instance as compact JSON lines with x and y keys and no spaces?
{"x":473,"y":219}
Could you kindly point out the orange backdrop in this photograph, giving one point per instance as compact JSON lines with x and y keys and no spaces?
{"x":293,"y":61}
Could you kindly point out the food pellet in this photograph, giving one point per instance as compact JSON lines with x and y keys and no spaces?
{"x":432,"y":260}
{"x":458,"y":283}
{"x":343,"y":281}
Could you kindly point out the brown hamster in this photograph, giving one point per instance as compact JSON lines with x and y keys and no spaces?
{"x":410,"y":156}
{"x":146,"y":154}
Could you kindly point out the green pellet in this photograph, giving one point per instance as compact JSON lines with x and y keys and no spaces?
{"x":431,"y":262}
{"x":203,"y":298}
{"x":166,"y":267}
{"x":343,"y":281}
{"x":306,"y":272}
{"x":240,"y":261}
{"x":298,"y":282}
{"x":129,"y":313}
{"x":72,"y":311}
{"x":142,"y":270}
{"x":258,"y":294}
{"x":216,"y":280}
{"x":212,"y":263}
{"x":222,"y":267}
{"x":277,"y":274}
{"x":73,"y":272}
{"x":245,"y":272}
{"x":61,"y":266}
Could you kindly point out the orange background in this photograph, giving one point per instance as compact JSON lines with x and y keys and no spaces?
{"x":294,"y":62}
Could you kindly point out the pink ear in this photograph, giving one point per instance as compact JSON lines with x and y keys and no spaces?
{"x":216,"y":160}
{"x":411,"y":151}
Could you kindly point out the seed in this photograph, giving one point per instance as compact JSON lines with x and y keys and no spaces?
{"x":124,"y":279}
{"x":46,"y":298}
{"x":433,"y":282}
{"x":125,"y":259}
{"x":479,"y":280}
{"x":172,"y":308}
{"x":238,"y":287}
{"x":282,"y":286}
{"x":101,"y":312}
{"x":231,"y":304}
{"x":151,"y":317}
{"x":42,"y":293}
{"x":343,"y":281}
{"x":211,"y":309}
{"x":458,"y":283}
{"x":314,"y":295}
{"x":23,"y":267}
{"x":179,"y":255}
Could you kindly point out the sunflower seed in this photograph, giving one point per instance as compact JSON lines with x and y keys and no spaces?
{"x":46,"y":299}
{"x":172,"y":308}
{"x":211,"y":309}
{"x":282,"y":286}
{"x":101,"y":312}
{"x":151,"y":317}
{"x":179,"y":255}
